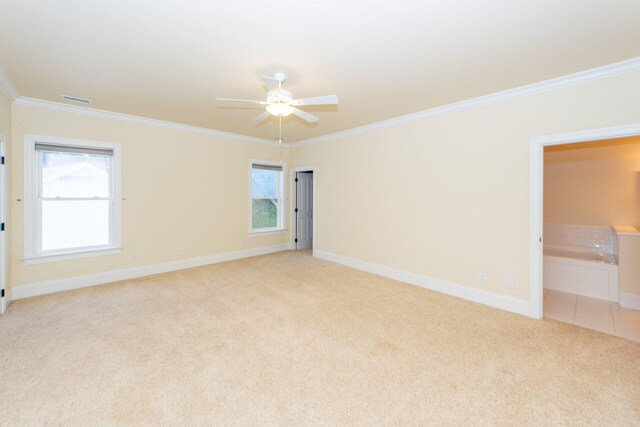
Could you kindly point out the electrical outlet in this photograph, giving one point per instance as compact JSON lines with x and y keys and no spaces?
{"x":181,"y":251}
{"x":482,"y":277}
{"x":511,"y":283}
{"x":134,"y":258}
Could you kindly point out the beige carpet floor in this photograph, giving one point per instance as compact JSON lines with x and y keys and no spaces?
{"x":286,"y":339}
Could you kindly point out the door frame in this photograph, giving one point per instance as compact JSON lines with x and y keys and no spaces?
{"x":536,"y":196}
{"x":4,"y":199}
{"x":294,"y":201}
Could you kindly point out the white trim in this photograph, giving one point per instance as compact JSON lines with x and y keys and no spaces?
{"x":93,"y":112}
{"x":589,"y":135}
{"x":7,"y":86}
{"x":593,"y":74}
{"x":4,"y":247}
{"x":532,"y":89}
{"x":536,"y":171}
{"x":71,"y":255}
{"x":282,"y":200}
{"x":502,"y":302}
{"x":266,"y":232}
{"x":32,"y":233}
{"x":536,"y":195}
{"x":630,"y":301}
{"x":48,"y":287}
{"x":293,"y":199}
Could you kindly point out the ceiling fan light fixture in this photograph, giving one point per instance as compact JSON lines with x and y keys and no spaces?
{"x":280,"y":102}
{"x":279,"y":110}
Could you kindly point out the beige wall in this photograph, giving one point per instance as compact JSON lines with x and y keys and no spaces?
{"x":182,"y":190}
{"x":447,"y":196}
{"x":593,"y":186}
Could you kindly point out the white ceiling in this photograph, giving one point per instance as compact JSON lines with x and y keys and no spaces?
{"x":170,"y":59}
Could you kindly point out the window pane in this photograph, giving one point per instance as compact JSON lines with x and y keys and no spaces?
{"x":74,"y":224}
{"x":75,"y":175}
{"x":264,"y":183}
{"x":265,"y":213}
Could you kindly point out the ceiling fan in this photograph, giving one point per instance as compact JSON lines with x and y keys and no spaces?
{"x":280,"y":102}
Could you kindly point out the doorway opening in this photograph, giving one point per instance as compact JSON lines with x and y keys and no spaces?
{"x":585,"y":241}
{"x":303,"y":208}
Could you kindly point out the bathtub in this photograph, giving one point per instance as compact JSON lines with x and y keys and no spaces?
{"x":581,"y":260}
{"x":590,"y":274}
{"x":583,"y":256}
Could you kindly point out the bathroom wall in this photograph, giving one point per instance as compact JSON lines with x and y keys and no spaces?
{"x":594,"y":183}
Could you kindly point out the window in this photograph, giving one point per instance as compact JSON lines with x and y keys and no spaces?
{"x":267,"y":202}
{"x":72,"y":197}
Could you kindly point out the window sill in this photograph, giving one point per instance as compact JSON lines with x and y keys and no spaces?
{"x":266,"y":231}
{"x":70,"y":255}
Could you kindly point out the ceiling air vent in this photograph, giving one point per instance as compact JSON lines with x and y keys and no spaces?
{"x":74,"y":99}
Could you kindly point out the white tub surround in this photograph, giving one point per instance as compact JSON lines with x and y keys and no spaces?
{"x":580,"y":238}
{"x":581,"y":260}
{"x":628,"y":246}
{"x":581,"y":277}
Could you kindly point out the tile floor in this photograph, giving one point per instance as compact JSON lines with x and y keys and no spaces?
{"x":603,"y":316}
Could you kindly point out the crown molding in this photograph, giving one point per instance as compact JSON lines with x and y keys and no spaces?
{"x":548,"y":85}
{"x":7,"y":86}
{"x":532,"y":89}
{"x":93,"y":112}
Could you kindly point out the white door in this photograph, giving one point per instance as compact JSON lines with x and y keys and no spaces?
{"x":304,"y":210}
{"x":3,"y":234}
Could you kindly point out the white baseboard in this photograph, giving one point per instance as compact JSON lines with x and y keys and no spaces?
{"x":51,"y":286}
{"x":630,"y":301}
{"x":513,"y":305}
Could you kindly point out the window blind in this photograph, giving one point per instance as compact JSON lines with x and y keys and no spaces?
{"x":41,"y":146}
{"x":268,"y":167}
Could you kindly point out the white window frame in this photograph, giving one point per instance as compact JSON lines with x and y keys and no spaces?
{"x":281,"y":198}
{"x":32,"y":213}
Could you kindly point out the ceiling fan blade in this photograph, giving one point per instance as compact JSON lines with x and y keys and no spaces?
{"x":317,"y":100}
{"x":243,"y":100}
{"x":304,"y":115}
{"x":271,"y":82}
{"x":262,"y":117}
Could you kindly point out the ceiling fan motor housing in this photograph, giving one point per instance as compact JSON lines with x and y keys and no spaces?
{"x":279,"y":96}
